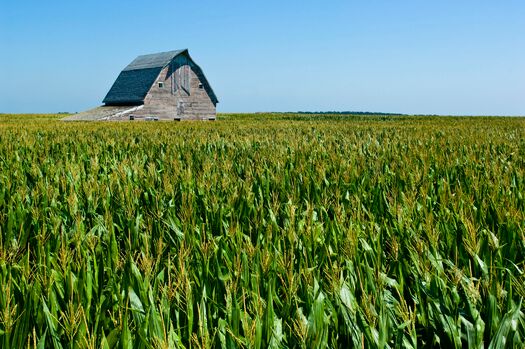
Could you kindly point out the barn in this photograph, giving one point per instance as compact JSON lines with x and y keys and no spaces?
{"x":160,"y":86}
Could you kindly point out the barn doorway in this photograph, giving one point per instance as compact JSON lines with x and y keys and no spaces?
{"x":180,"y":110}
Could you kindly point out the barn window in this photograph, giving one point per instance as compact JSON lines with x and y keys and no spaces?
{"x":161,"y":84}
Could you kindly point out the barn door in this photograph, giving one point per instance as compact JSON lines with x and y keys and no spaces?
{"x":181,"y":75}
{"x":180,"y":109}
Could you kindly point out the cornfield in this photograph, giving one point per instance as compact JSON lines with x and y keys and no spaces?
{"x":263,"y":231}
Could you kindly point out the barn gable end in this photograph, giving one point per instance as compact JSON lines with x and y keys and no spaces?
{"x":161,"y":86}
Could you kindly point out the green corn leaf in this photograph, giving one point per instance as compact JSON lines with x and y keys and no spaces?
{"x":51,"y":326}
{"x":42,"y":341}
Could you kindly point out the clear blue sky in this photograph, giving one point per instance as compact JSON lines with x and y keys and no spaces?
{"x":442,"y":57}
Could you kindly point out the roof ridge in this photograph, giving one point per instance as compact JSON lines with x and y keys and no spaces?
{"x":153,"y":60}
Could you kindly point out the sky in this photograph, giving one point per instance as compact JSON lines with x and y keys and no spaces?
{"x":446,"y":57}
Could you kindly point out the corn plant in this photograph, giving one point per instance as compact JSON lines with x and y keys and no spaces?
{"x":263,"y":231}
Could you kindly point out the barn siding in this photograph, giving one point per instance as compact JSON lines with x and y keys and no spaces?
{"x":163,"y":103}
{"x":136,"y":91}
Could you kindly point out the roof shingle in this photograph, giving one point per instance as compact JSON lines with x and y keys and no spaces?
{"x":131,"y":86}
{"x":155,"y":60}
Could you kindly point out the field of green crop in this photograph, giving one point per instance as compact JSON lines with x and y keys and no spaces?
{"x":263,"y":231}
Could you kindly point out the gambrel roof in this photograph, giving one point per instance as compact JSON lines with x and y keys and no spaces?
{"x":134,"y":82}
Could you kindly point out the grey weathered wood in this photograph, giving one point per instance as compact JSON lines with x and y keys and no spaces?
{"x":164,"y":102}
{"x":167,"y":102}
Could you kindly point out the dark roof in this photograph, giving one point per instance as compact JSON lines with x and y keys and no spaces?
{"x":131,"y":86}
{"x":155,"y":60}
{"x":134,"y":82}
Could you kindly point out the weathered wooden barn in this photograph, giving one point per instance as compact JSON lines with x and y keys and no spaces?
{"x":159,"y":86}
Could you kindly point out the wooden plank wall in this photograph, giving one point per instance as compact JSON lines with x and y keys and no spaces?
{"x":165,"y":104}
